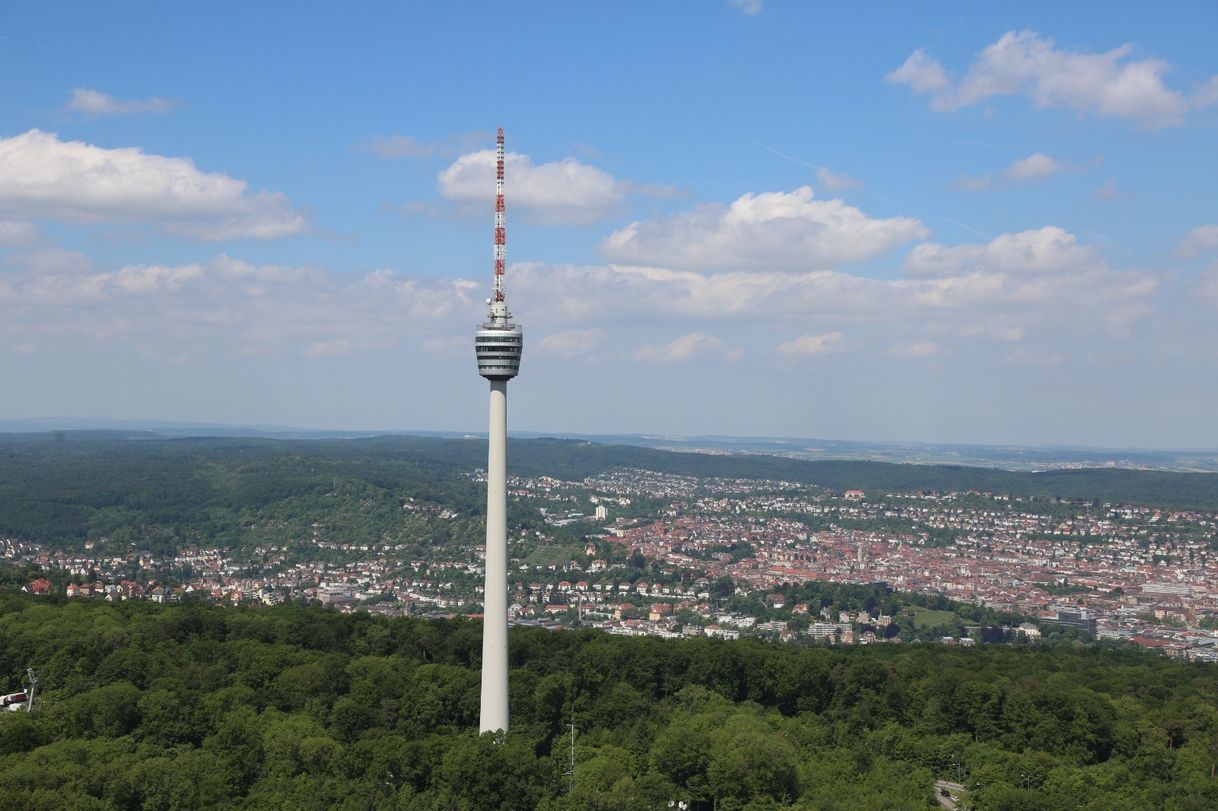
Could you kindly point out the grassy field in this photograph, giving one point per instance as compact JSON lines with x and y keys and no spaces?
{"x":926,"y":618}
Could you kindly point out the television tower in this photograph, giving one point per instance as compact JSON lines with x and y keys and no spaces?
{"x":497,"y":343}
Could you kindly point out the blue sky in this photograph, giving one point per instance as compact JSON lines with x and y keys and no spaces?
{"x":934,"y":222}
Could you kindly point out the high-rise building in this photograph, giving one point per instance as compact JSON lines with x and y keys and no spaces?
{"x":497,"y":343}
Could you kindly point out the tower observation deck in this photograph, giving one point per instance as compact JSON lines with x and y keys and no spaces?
{"x":498,"y":343}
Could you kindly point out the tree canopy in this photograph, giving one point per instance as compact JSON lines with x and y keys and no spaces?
{"x":197,"y":706}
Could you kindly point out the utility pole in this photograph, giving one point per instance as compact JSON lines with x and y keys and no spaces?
{"x":570,"y":773}
{"x":33,"y":679}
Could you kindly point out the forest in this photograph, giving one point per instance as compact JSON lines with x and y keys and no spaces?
{"x":198,"y":706}
{"x":65,"y":487}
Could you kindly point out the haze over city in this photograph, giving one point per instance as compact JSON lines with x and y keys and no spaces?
{"x":938,"y":223}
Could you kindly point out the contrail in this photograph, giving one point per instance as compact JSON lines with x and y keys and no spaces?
{"x":981,"y":234}
{"x":785,"y":156}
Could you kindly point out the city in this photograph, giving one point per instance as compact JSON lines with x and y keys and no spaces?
{"x":637,"y":552}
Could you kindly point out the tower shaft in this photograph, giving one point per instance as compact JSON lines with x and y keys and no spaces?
{"x":494,"y":623}
{"x":498,"y":344}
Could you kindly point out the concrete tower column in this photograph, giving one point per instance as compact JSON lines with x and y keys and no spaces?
{"x":495,"y":624}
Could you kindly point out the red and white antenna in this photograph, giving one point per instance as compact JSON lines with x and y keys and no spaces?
{"x":500,"y":231}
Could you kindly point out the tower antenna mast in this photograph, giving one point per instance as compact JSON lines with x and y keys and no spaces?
{"x":500,"y":230}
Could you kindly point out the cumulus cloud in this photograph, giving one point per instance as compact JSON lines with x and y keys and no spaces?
{"x":1040,"y":251}
{"x":1201,"y":239}
{"x":921,"y":72}
{"x":914,"y":349}
{"x":572,"y":343}
{"x":1208,"y":287}
{"x":14,"y":233}
{"x":749,"y":8}
{"x":338,"y":347}
{"x":967,"y":183}
{"x":94,"y":102}
{"x":1039,"y":276}
{"x":837,"y":181}
{"x":1108,"y":191}
{"x":1014,"y":277}
{"x":687,"y":347}
{"x":1113,"y":83}
{"x":810,"y":345}
{"x":1042,"y":282}
{"x":788,"y":231}
{"x":565,"y":192}
{"x":72,"y":181}
{"x":447,"y":344}
{"x":1038,"y":282}
{"x":1036,"y":166}
{"x":1022,"y":356}
{"x":408,"y":146}
{"x":232,"y":304}
{"x":1206,"y":94}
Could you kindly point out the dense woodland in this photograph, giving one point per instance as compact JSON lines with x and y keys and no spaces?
{"x":187,"y":706}
{"x":160,"y":494}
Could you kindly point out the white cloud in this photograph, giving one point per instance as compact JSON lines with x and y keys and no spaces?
{"x":1199,"y":240}
{"x":450,"y":346}
{"x":810,"y":345}
{"x":339,"y":347}
{"x":1038,"y":282}
{"x":1112,"y":83}
{"x":93,"y":102}
{"x":967,"y":183}
{"x":837,"y":181}
{"x":687,"y":347}
{"x":1042,"y":282}
{"x":231,"y":305}
{"x":72,"y":181}
{"x":572,"y":343}
{"x":1206,"y":94}
{"x":1022,"y":356}
{"x":1209,"y":285}
{"x":1040,"y":251}
{"x":1108,"y":191}
{"x":749,"y":8}
{"x":14,"y":233}
{"x":999,"y":328}
{"x":921,"y":72}
{"x":786,"y":231}
{"x":915,"y":349}
{"x":1036,"y":166}
{"x":565,"y":192}
{"x":1013,"y":283}
{"x":407,"y":146}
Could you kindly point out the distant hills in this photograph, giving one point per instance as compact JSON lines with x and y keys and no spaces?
{"x":1006,"y":457}
{"x":156,"y":492}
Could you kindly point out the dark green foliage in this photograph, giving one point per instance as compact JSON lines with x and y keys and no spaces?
{"x":194,"y":706}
